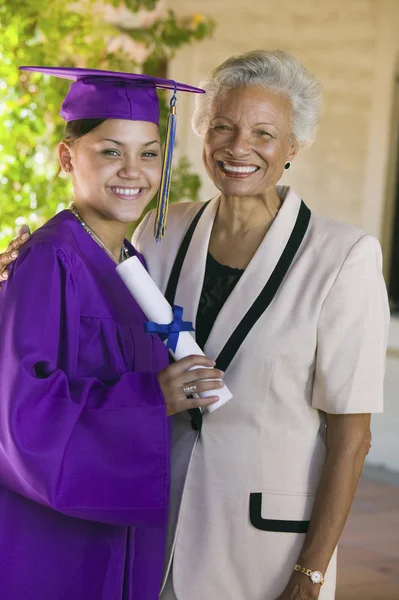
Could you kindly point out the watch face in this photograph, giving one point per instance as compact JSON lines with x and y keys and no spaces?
{"x":316,"y":577}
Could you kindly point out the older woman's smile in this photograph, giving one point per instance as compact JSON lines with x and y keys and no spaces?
{"x":237,"y":170}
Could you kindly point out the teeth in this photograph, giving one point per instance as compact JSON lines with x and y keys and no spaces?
{"x":239,"y":169}
{"x":126,"y":191}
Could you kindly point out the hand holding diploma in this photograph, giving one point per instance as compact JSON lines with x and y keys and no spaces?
{"x":169,"y":324}
{"x":187,"y":373}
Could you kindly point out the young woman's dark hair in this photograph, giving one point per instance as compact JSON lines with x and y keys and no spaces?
{"x":76,"y":129}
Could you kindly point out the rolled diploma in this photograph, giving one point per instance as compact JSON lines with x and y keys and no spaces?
{"x":157,"y":309}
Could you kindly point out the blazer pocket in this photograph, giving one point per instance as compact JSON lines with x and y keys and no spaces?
{"x":279,"y":507}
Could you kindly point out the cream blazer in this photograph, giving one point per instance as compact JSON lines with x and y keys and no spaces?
{"x":318,"y":348}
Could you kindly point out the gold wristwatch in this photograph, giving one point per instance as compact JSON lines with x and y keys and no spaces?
{"x":315,"y":576}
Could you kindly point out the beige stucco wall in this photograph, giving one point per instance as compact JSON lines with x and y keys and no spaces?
{"x":352,"y":46}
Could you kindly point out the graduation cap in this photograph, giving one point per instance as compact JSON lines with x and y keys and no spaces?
{"x":97,"y":94}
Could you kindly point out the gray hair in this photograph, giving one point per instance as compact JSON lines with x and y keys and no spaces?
{"x":275,"y":70}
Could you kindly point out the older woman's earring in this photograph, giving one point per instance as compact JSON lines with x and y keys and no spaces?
{"x":287,"y":165}
{"x":68,"y":169}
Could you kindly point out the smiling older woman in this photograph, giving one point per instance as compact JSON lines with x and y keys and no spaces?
{"x":293,"y":308}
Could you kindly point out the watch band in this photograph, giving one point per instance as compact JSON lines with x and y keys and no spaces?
{"x":315,"y":576}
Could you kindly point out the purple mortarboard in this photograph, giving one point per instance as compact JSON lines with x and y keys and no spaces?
{"x":96,"y":94}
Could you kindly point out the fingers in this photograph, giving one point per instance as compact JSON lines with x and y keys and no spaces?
{"x":24,"y":229}
{"x":183,"y":404}
{"x":12,"y":251}
{"x":196,"y":374}
{"x":5,"y":259}
{"x":199,"y":402}
{"x":211,"y":387}
{"x":198,"y":387}
{"x":20,"y":240}
{"x":189,"y":362}
{"x":177,"y":376}
{"x":200,"y":378}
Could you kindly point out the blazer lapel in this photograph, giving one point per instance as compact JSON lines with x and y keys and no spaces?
{"x":193,"y":270}
{"x":254,"y":277}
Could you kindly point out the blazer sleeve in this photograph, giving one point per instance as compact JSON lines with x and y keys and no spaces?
{"x":352,"y":335}
{"x":86,"y":449}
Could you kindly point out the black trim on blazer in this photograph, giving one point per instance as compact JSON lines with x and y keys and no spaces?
{"x":180,"y":256}
{"x":269,"y":291}
{"x":281,"y":526}
{"x":260,"y":304}
{"x":195,"y":413}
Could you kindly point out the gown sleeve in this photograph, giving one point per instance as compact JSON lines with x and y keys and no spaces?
{"x":352,"y":335}
{"x":86,"y":449}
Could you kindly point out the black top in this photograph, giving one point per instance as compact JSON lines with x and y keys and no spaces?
{"x":219,"y":281}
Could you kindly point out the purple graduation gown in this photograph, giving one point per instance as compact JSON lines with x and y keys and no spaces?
{"x":84,"y":436}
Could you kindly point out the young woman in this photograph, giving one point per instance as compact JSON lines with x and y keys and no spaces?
{"x":85,"y":393}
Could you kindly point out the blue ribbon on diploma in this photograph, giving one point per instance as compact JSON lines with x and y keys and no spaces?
{"x":171,"y":330}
